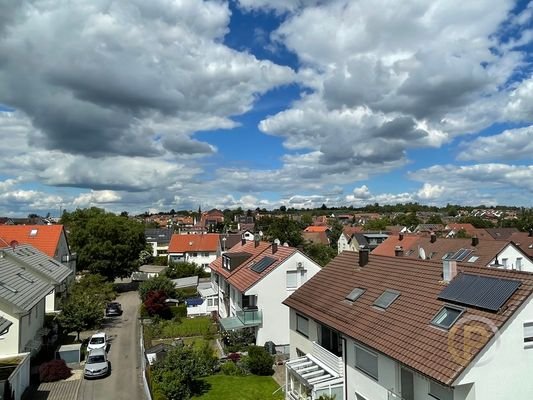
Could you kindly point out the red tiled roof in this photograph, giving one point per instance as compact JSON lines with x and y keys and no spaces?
{"x":314,"y":228}
{"x":45,"y":238}
{"x":350,"y":230}
{"x":403,"y":331}
{"x":388,"y":246}
{"x":242,"y":278}
{"x":188,"y":243}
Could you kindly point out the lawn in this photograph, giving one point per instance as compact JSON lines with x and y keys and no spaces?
{"x":251,"y":387}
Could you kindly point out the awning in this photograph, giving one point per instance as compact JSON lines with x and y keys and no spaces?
{"x":194,"y":301}
{"x":231,"y":323}
{"x":207,"y":292}
{"x":312,"y":372}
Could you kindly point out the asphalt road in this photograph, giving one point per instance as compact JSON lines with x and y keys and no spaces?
{"x":125,"y":382}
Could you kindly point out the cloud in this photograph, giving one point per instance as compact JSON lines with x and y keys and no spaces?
{"x":430,"y":192}
{"x":511,"y":145}
{"x":96,"y":198}
{"x":124,"y":65}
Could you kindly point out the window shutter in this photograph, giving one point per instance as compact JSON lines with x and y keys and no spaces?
{"x":292,"y":279}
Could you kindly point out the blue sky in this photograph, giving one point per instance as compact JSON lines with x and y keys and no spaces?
{"x":148,"y":106}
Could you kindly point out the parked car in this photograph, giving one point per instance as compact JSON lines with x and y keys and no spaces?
{"x":113,"y":309}
{"x":96,"y":365}
{"x":97,"y":341}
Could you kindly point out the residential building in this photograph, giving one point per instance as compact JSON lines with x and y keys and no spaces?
{"x":199,"y":249}
{"x":368,"y":240}
{"x":251,"y":280}
{"x":383,"y":328}
{"x":49,"y":239}
{"x":484,"y":253}
{"x":524,"y":240}
{"x":25,"y":283}
{"x":159,"y":239}
{"x":49,"y":270}
{"x":501,"y":233}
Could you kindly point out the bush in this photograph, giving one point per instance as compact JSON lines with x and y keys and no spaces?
{"x":54,"y":370}
{"x":230,"y":368}
{"x":259,"y":362}
{"x":179,"y":311}
{"x":234,"y":357}
{"x":156,"y":304}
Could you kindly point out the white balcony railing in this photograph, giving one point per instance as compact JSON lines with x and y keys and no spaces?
{"x":329,"y":359}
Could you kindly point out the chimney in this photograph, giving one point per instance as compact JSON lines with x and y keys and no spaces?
{"x":400,"y":236}
{"x":530,"y":233}
{"x":257,"y":238}
{"x":433,"y":237}
{"x":475,"y":240}
{"x":243,"y":241}
{"x":363,"y":256}
{"x":274,"y":247}
{"x":398,"y":251}
{"x":449,"y":270}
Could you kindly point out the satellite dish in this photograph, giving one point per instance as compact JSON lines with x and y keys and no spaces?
{"x":422,"y":253}
{"x":277,"y":241}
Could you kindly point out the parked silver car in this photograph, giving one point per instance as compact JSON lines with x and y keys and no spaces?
{"x":96,"y":365}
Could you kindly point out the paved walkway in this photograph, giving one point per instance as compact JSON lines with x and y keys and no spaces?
{"x":61,"y":390}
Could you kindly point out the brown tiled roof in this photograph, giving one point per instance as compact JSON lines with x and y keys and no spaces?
{"x":387,"y":247}
{"x":188,"y":243}
{"x":524,"y":241}
{"x":242,"y":278}
{"x":45,"y":239}
{"x":485,"y":250}
{"x":468,"y":228}
{"x":403,"y":331}
{"x":313,"y":228}
{"x":501,"y":233}
{"x":350,"y":230}
{"x":316,"y":237}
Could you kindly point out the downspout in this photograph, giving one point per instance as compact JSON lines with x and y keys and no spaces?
{"x":344,"y":356}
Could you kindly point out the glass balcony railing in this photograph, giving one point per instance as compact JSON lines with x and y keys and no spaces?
{"x":250,"y":317}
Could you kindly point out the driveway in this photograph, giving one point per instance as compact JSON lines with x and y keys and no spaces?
{"x":125,"y":382}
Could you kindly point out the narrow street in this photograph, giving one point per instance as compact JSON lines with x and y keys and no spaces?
{"x":125,"y":382}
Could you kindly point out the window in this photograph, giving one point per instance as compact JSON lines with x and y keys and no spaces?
{"x":519,"y":263}
{"x":303,"y":276}
{"x":205,"y":254}
{"x":473,"y":259}
{"x":302,"y":325}
{"x":330,"y":340}
{"x":366,"y":361}
{"x":212,"y":302}
{"x":504,"y":261}
{"x":299,"y":353}
{"x":528,"y":334}
{"x":292,"y":279}
{"x":194,"y":254}
{"x":359,"y":397}
{"x":440,"y":392}
{"x":447,"y":316}
{"x":355,"y":294}
{"x":386,"y":298}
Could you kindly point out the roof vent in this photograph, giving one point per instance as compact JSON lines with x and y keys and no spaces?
{"x":475,"y":240}
{"x":433,"y":237}
{"x":398,"y":251}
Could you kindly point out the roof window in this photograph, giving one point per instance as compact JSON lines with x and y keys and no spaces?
{"x":447,"y":316}
{"x":386,"y":299}
{"x":355,"y":294}
{"x":33,"y":232}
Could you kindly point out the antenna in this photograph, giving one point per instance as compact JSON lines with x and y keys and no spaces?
{"x":422,"y":253}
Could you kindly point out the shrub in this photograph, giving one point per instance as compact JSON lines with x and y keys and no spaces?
{"x":54,"y":370}
{"x":156,"y":304}
{"x":179,"y":312}
{"x":234,"y":357}
{"x":259,"y":362}
{"x":230,"y":368}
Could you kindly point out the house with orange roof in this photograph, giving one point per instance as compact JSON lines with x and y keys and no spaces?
{"x":49,"y":239}
{"x":250,"y":282}
{"x":200,"y":249}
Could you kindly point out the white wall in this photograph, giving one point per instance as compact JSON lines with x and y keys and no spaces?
{"x":504,"y":369}
{"x":299,"y":341}
{"x":199,"y":259}
{"x":20,"y":378}
{"x":510,"y":255}
{"x":270,"y":292}
{"x":22,"y":330}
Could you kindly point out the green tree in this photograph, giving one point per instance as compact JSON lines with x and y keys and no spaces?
{"x":176,"y":376}
{"x":307,"y":219}
{"x":184,"y":269}
{"x":320,"y":253}
{"x":105,"y":243}
{"x":258,"y":361}
{"x":286,"y":230}
{"x":159,"y":283}
{"x":335,"y":233}
{"x":435,"y":219}
{"x":81,"y":311}
{"x":377,"y":224}
{"x":96,"y":286}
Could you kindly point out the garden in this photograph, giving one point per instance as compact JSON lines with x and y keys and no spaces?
{"x":201,"y":363}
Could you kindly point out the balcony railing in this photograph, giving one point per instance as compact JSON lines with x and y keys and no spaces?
{"x":250,"y":317}
{"x":328,"y":358}
{"x":394,"y":396}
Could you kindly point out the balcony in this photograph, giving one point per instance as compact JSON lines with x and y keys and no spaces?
{"x":315,"y":374}
{"x":242,"y":319}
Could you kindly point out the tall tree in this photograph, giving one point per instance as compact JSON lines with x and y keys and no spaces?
{"x":286,"y":230}
{"x":105,"y":243}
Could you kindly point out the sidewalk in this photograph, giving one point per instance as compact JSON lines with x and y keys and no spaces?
{"x":60,"y":390}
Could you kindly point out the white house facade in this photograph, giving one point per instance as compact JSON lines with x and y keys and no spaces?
{"x":358,"y":347}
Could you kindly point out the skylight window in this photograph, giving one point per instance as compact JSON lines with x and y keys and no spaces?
{"x":473,"y":259}
{"x":355,"y":294}
{"x":386,"y":298}
{"x":447,"y":316}
{"x":33,"y":232}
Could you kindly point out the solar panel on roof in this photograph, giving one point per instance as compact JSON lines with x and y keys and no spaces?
{"x":480,"y":291}
{"x":460,"y":255}
{"x":262,"y":264}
